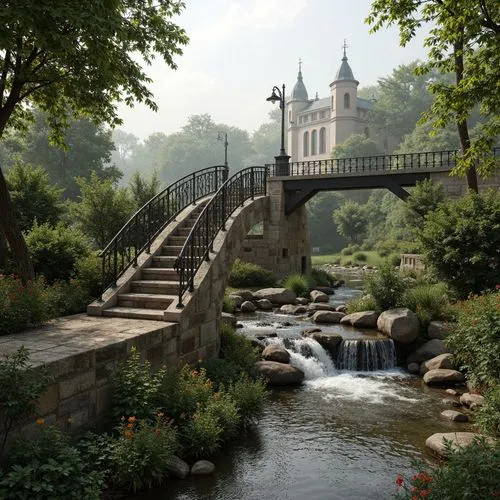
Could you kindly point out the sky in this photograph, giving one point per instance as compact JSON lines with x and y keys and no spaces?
{"x":240,"y":49}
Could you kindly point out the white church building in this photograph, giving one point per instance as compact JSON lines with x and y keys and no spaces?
{"x":316,"y":126}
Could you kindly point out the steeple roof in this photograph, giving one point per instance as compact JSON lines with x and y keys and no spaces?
{"x":345,"y":71}
{"x":299,"y":91}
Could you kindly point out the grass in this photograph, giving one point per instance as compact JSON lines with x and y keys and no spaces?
{"x":372,"y":259}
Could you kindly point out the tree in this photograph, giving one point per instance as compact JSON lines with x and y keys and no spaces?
{"x":355,"y":146}
{"x":351,"y":221}
{"x":464,"y":39}
{"x":144,"y":189}
{"x":424,"y":198}
{"x":266,"y":139}
{"x":126,"y":145}
{"x":425,"y":138}
{"x":67,"y":59}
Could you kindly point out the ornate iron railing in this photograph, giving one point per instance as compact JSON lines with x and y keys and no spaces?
{"x":143,"y":227}
{"x":367,"y":164}
{"x":244,"y":185}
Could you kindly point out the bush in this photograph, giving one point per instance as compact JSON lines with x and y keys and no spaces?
{"x":428,"y":301}
{"x":386,"y":287}
{"x":250,"y":397}
{"x":238,"y":350}
{"x":221,"y":371}
{"x":488,"y":415}
{"x":223,"y":409}
{"x":140,"y":456}
{"x":88,"y":274}
{"x":347,"y":251}
{"x":470,"y":472}
{"x":360,"y":257}
{"x":22,"y":306}
{"x":67,"y":298}
{"x":474,"y":338}
{"x":56,"y":250}
{"x":320,"y":277}
{"x":135,"y":388}
{"x":202,"y":434}
{"x":298,"y":283}
{"x":246,"y":274}
{"x":363,"y":303}
{"x":461,"y":240}
{"x":49,"y":468}
{"x":228,"y":305}
{"x":394,"y":260}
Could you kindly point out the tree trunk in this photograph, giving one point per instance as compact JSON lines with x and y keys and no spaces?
{"x":12,"y":232}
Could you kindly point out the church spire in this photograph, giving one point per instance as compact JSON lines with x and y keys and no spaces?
{"x":299,"y":91}
{"x":345,"y":71}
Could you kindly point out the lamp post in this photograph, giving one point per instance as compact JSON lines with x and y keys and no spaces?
{"x":282,"y":160}
{"x":222,"y":136}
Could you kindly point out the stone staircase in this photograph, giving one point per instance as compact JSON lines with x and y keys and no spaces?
{"x":158,"y":283}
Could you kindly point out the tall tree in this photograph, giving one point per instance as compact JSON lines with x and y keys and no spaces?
{"x":351,"y":220}
{"x":464,"y":39}
{"x":355,"y":146}
{"x":65,"y":58}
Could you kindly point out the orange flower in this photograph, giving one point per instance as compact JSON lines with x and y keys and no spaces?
{"x":132,"y":419}
{"x":128,"y":434}
{"x":40,"y":421}
{"x":130,"y":425}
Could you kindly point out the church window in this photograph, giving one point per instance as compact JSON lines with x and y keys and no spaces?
{"x":347,"y":100}
{"x":314,"y":116}
{"x":322,"y":114}
{"x":289,"y":116}
{"x":331,"y":106}
{"x":367,"y":132}
{"x":306,"y":144}
{"x":314,"y":142}
{"x":322,"y":140}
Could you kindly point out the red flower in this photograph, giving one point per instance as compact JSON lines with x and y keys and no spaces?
{"x":400,"y":480}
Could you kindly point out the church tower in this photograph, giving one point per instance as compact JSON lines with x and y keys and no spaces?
{"x":343,"y":103}
{"x":297,"y":102}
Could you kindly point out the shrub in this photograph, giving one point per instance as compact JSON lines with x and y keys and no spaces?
{"x":250,"y":397}
{"x":360,"y":257}
{"x":363,"y":303}
{"x":48,"y":467}
{"x":223,"y":410}
{"x":320,"y":277}
{"x":228,"y":305}
{"x":347,"y":251}
{"x":22,"y":306}
{"x":67,"y":298}
{"x":428,"y":301}
{"x":202,"y":434}
{"x":488,"y":415}
{"x":140,"y":456}
{"x":88,"y":274}
{"x":20,"y":389}
{"x":470,"y":472}
{"x":394,"y":260}
{"x":238,"y":350}
{"x":386,"y":287}
{"x":298,"y":283}
{"x":56,"y":250}
{"x":474,"y":338}
{"x":221,"y":371}
{"x":461,"y":240}
{"x":135,"y":388}
{"x":246,"y":274}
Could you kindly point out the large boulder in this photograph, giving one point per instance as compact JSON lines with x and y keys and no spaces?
{"x":312,"y":308}
{"x":400,"y":324}
{"x":301,"y":301}
{"x":454,"y":416}
{"x":244,"y":294}
{"x":237,"y":299}
{"x":293,"y":309}
{"x":278,"y":374}
{"x":327,"y":317}
{"x":429,"y":350}
{"x":257,"y":344}
{"x":202,"y":468}
{"x":436,"y":442}
{"x":279,"y":296}
{"x":264,"y":305}
{"x":248,"y":307}
{"x":325,"y":289}
{"x":443,"y":361}
{"x":443,"y":377}
{"x":329,"y":341}
{"x":413,"y":368}
{"x":438,"y":330}
{"x":471,"y":399}
{"x":317,"y":296}
{"x":177,"y":468}
{"x":362,"y":319}
{"x":274,"y":352}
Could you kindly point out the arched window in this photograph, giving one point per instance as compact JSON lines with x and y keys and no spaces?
{"x":322,"y":140}
{"x":347,"y":100}
{"x":290,"y":116}
{"x":314,"y":142}
{"x":332,"y":107}
{"x":306,"y":144}
{"x":367,"y":132}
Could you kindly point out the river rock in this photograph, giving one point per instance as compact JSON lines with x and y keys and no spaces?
{"x":274,"y":352}
{"x":202,"y":468}
{"x":454,"y":416}
{"x":237,"y":299}
{"x":458,"y":439}
{"x":292,"y":309}
{"x":362,"y":319}
{"x":413,"y":368}
{"x":444,"y":361}
{"x":301,"y":301}
{"x":307,"y":331}
{"x":327,"y":317}
{"x":441,"y":376}
{"x":278,"y":374}
{"x":244,"y":294}
{"x":452,"y":392}
{"x":312,"y":308}
{"x":248,"y":307}
{"x":317,"y":296}
{"x":265,"y":335}
{"x":257,"y":344}
{"x":400,"y":324}
{"x":279,"y":296}
{"x":429,"y":350}
{"x":472,"y":400}
{"x":177,"y":468}
{"x":325,"y":289}
{"x":450,"y":402}
{"x":438,"y":330}
{"x":341,"y":308}
{"x":264,"y":304}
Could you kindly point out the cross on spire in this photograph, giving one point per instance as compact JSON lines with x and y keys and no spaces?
{"x":300,"y":64}
{"x":344,"y":47}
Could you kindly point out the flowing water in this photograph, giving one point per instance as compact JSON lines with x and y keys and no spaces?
{"x":344,"y":434}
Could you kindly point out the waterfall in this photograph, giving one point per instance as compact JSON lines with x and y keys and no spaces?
{"x":366,"y":355}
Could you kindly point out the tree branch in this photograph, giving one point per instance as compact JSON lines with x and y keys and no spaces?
{"x":488,"y":21}
{"x":5,"y":72}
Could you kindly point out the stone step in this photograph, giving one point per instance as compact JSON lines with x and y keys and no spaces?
{"x":163,"y":261}
{"x":171,"y":250}
{"x":159,"y":273}
{"x":153,"y":287}
{"x":183,"y":231}
{"x":175,"y":241}
{"x":146,"y":300}
{"x":134,"y":312}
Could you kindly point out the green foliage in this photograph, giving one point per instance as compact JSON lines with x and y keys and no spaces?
{"x":20,"y":389}
{"x":246,"y":274}
{"x":424,"y":198}
{"x":386,"y":286}
{"x":55,"y":251}
{"x":33,"y":196}
{"x":238,"y":350}
{"x":298,"y":283}
{"x":22,"y":306}
{"x":487,"y":417}
{"x":461,"y":241}
{"x":360,"y":257}
{"x":135,"y":388}
{"x":470,"y":472}
{"x":351,"y":220}
{"x":48,"y":467}
{"x":144,"y":189}
{"x":357,"y":145}
{"x":221,"y":371}
{"x":223,"y":409}
{"x":428,"y":301}
{"x":140,"y":456}
{"x":88,"y":274}
{"x":228,"y":305}
{"x":362,"y":303}
{"x":67,"y":297}
{"x":202,"y":434}
{"x":250,"y":397}
{"x":394,"y":259}
{"x":320,"y":277}
{"x":347,"y":251}
{"x":475,"y":338}
{"x":103,"y":209}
